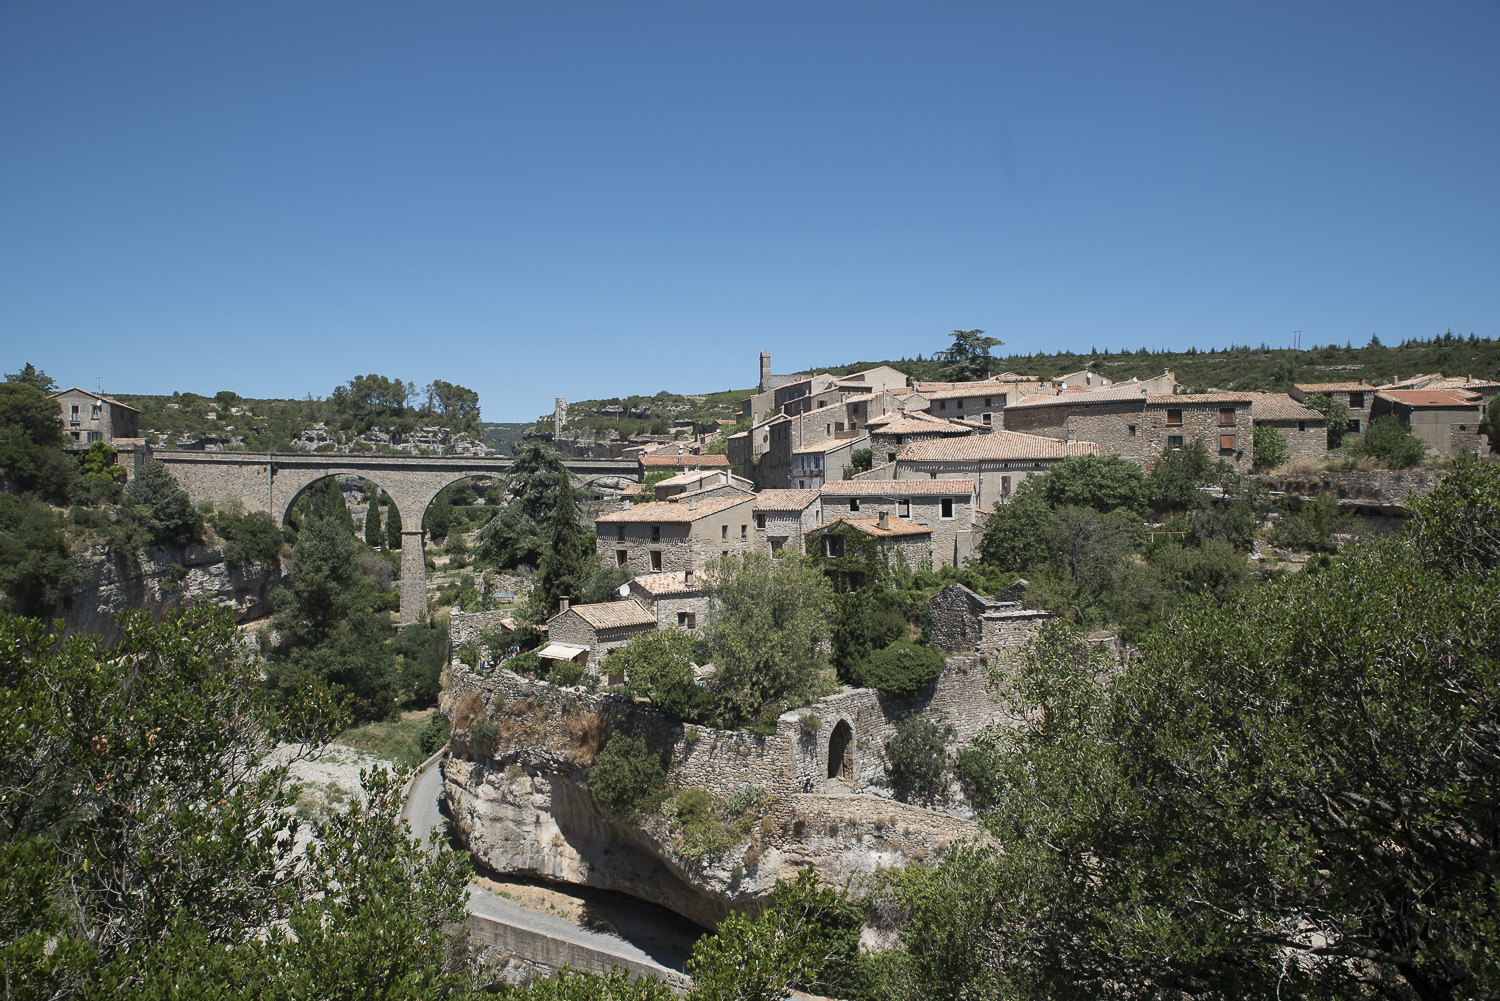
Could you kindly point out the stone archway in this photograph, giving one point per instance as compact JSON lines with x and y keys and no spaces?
{"x":841,"y":754}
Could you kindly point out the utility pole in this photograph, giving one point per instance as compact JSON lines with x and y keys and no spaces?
{"x":1296,"y":340}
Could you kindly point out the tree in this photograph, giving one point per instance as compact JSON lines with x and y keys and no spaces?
{"x":35,"y":560}
{"x":324,"y":583}
{"x":770,"y":618}
{"x":1101,"y":482}
{"x":860,"y":460}
{"x":1015,"y":535}
{"x":901,"y":669}
{"x":324,"y":499}
{"x":392,"y":523}
{"x":519,"y":533}
{"x":457,"y":405}
{"x":566,"y":566}
{"x":1177,"y":475}
{"x":34,"y":377}
{"x":626,"y":776}
{"x":162,"y":506}
{"x":373,"y":535}
{"x":968,"y":358}
{"x":1267,"y":447}
{"x":916,"y":760}
{"x":1336,"y":412}
{"x":31,"y":439}
{"x":437,"y":522}
{"x":149,"y":845}
{"x":1211,"y":821}
{"x":1390,"y":440}
{"x":1090,"y":546}
{"x":99,"y":461}
{"x":658,"y":666}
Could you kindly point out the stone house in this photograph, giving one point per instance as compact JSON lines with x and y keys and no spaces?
{"x":673,"y":459}
{"x":994,"y":465}
{"x":676,"y":600}
{"x":1305,"y":430}
{"x":893,"y":432}
{"x":784,"y":517}
{"x":675,"y":535}
{"x":983,"y":403}
{"x":813,"y":465}
{"x":1357,"y":396}
{"x":698,"y":479}
{"x":943,"y":506}
{"x":1447,"y":420}
{"x":847,"y":546}
{"x":881,"y":378}
{"x":597,"y":629}
{"x":965,"y":622}
{"x":89,"y":417}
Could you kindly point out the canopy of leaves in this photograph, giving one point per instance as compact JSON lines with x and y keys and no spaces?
{"x":916,"y":760}
{"x":1101,"y":482}
{"x":31,"y":457}
{"x":35,"y":560}
{"x":658,"y":666}
{"x":627,"y":776}
{"x":968,"y":358}
{"x":1390,"y":440}
{"x":901,"y":669}
{"x":162,"y":506}
{"x":1337,"y":412}
{"x":1268,"y":447}
{"x":1175,"y":479}
{"x":520,"y":533}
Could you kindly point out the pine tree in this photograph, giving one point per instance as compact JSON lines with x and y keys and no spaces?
{"x":392,"y":523}
{"x":372,"y":522}
{"x":566,"y":567}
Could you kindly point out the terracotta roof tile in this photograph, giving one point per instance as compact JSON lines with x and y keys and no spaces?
{"x":669,"y":513}
{"x":671,"y":582}
{"x":613,"y":614}
{"x":97,"y":396}
{"x":897,"y":488}
{"x":1111,"y":394}
{"x":1280,"y":407}
{"x":1431,"y":397}
{"x":996,"y":445}
{"x":914,"y":422}
{"x":785,"y":500}
{"x":684,"y":460}
{"x":1335,"y":387}
{"x":1195,"y":399}
{"x":871,"y":526}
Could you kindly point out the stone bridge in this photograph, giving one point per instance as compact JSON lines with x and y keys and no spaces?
{"x":271,"y":481}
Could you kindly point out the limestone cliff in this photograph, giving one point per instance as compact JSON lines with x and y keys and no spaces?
{"x":161,"y":579}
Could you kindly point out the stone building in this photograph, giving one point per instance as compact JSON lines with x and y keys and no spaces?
{"x":813,"y":464}
{"x":675,"y":459}
{"x":675,"y":600}
{"x":994,"y":464}
{"x":696,"y":480}
{"x":784,"y":517}
{"x":1447,"y":420}
{"x":598,"y":629}
{"x":965,"y":622}
{"x":90,"y":417}
{"x":893,"y":432}
{"x":1357,"y":396}
{"x":985,"y":403}
{"x":943,"y":506}
{"x":1305,"y":430}
{"x":680,"y":535}
{"x":846,"y":545}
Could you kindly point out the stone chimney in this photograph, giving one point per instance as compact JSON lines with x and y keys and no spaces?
{"x":559,"y":415}
{"x":765,"y":370}
{"x":687,"y":577}
{"x":885,"y":520}
{"x":562,"y":604}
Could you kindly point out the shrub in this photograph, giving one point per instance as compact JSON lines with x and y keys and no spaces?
{"x":253,"y":537}
{"x":976,"y":766}
{"x":1312,"y":526}
{"x":1390,"y":440}
{"x":703,"y":831}
{"x":627,"y":776}
{"x":658,"y":666}
{"x":35,"y":561}
{"x":526,"y":664}
{"x":484,"y":735}
{"x":1267,"y":447}
{"x":916,"y":759}
{"x":566,"y":672}
{"x":901,"y":669}
{"x":433,"y":735}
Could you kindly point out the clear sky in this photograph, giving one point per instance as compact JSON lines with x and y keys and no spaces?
{"x":593,"y":200}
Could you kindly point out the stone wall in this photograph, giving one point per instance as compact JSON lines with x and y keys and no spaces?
{"x":787,"y":526}
{"x":1305,"y":440}
{"x":1382,"y":490}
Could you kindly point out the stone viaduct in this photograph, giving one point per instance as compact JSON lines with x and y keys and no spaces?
{"x":271,"y":481}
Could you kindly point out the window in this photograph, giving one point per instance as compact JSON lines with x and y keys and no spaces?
{"x":838,"y":426}
{"x":1174,"y":441}
{"x":96,"y":436}
{"x":656,"y":559}
{"x":828,"y":430}
{"x":776,"y":545}
{"x":1174,"y":416}
{"x":1302,"y":425}
{"x":1354,"y":425}
{"x":854,"y":503}
{"x":655,"y":533}
{"x":890,"y":457}
{"x":1002,"y":398}
{"x":1461,"y":427}
{"x":833,"y":545}
{"x":760,"y":520}
{"x":621,"y":557}
{"x":743,"y":530}
{"x":1226,"y":416}
{"x":73,"y":415}
{"x":723,"y":552}
{"x":942,"y":405}
{"x":960,"y":404}
{"x":903,"y":509}
{"x":1356,"y":401}
{"x":947,"y":507}
{"x":1134,"y":429}
{"x":987,"y":418}
{"x":94,"y":412}
{"x":723,"y":532}
{"x":1226,"y":443}
{"x":619,"y":533}
{"x":687,"y":620}
{"x":987,"y":402}
{"x":801,"y":484}
{"x":1005,"y":486}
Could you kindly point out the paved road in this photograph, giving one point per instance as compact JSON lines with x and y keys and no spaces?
{"x":423,"y":812}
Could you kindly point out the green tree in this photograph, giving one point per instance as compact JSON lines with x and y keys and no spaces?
{"x":373,"y":535}
{"x":34,"y":377}
{"x":860,"y":460}
{"x":916,"y":760}
{"x":852,"y":640}
{"x":323,"y":500}
{"x":567,"y":566}
{"x":770,"y":619}
{"x":162,"y":506}
{"x":1177,"y":475}
{"x":31,"y":439}
{"x":1015,"y":535}
{"x":968,"y":358}
{"x":901,"y":669}
{"x":520,"y":532}
{"x":99,"y":461}
{"x":658,"y":666}
{"x":35,"y":560}
{"x":392,"y":523}
{"x":458,"y":406}
{"x":626,"y":776}
{"x":252,"y":537}
{"x":1390,"y":440}
{"x":1268,"y":447}
{"x":324,"y":583}
{"x":1101,"y":482}
{"x":1337,"y":413}
{"x":437,"y":522}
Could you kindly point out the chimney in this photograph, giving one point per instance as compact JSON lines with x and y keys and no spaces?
{"x":687,"y":577}
{"x":562,"y":604}
{"x":885,"y":520}
{"x":765,"y":369}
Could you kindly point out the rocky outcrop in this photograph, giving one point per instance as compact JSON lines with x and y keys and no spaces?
{"x":161,"y":579}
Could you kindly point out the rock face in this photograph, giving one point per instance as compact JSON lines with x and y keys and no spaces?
{"x":162,"y":579}
{"x":516,"y":784}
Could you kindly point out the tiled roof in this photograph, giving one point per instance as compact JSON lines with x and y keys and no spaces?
{"x":828,"y":445}
{"x":668,"y":513}
{"x":1431,"y":397}
{"x":992,"y":389}
{"x":1335,"y":387}
{"x":97,"y":396}
{"x":996,"y":445}
{"x":784,"y":500}
{"x":871,"y":526}
{"x":1415,"y":382}
{"x":1461,"y":382}
{"x":1280,"y":407}
{"x":1129,"y":391}
{"x":691,"y":476}
{"x":914,"y":418}
{"x":614,"y":614}
{"x":671,"y":582}
{"x":684,"y":460}
{"x":1192,"y":399}
{"x":935,"y":387}
{"x":716,"y":490}
{"x":898,"y":488}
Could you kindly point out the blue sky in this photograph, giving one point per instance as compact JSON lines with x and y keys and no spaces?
{"x":592,"y":200}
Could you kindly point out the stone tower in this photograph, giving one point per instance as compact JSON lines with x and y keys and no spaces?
{"x":765,"y":370}
{"x":559,"y":415}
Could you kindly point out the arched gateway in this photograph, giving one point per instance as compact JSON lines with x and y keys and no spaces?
{"x":841,"y":753}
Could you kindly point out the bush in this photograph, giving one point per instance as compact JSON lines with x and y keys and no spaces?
{"x":1312,"y":526}
{"x":163,"y":506}
{"x":1390,"y":440}
{"x":658,"y":666}
{"x":627,"y":777}
{"x":976,"y":766}
{"x":433,"y":735}
{"x":527,"y":664}
{"x":1177,"y":475}
{"x":253,"y":537}
{"x":916,"y":761}
{"x":35,"y":561}
{"x":902,"y":669}
{"x":1267,"y":447}
{"x":566,"y":672}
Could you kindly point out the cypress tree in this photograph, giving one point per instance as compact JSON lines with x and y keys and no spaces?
{"x":392,"y":524}
{"x":566,"y":567}
{"x":372,"y":523}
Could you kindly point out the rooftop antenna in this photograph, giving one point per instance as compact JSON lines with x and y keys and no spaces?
{"x":99,"y":383}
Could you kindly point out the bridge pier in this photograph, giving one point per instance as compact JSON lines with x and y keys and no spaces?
{"x":413,"y":577}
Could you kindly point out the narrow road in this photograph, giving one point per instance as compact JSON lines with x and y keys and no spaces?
{"x":423,"y":812}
